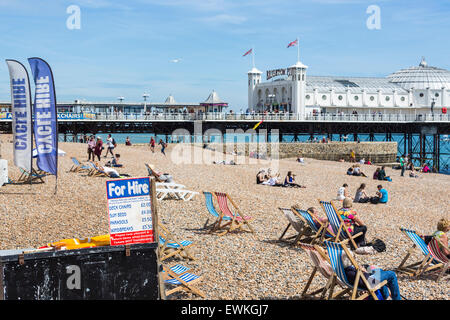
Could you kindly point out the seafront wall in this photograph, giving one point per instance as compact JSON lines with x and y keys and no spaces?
{"x":377,"y":152}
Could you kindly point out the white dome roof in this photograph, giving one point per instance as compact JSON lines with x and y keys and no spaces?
{"x":421,"y":77}
{"x":170,"y":100}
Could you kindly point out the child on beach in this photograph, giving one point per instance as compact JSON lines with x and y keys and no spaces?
{"x":152,"y":144}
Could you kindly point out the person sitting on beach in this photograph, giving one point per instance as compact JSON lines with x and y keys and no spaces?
{"x":443,"y":227}
{"x":301,"y":160}
{"x":343,"y":192}
{"x":361,"y":195}
{"x":350,"y":171}
{"x":374,"y":275}
{"x":110,"y":172}
{"x":289,"y":181}
{"x":273,"y":181}
{"x":362,"y":161}
{"x":376,"y":173}
{"x":412,"y":174}
{"x":316,"y":218}
{"x":382,"y":175}
{"x":127,"y":142}
{"x":261,"y":176}
{"x":115,"y":161}
{"x":164,"y":177}
{"x":353,"y":222}
{"x":357,"y":171}
{"x":381,"y":195}
{"x":368,"y":162}
{"x":426,"y":168}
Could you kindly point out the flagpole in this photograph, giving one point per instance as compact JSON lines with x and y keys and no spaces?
{"x":253,"y":56}
{"x":298,"y":50}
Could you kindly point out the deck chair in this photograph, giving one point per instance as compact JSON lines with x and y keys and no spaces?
{"x":169,"y":246}
{"x":419,"y":267}
{"x":297,"y":223}
{"x":151,"y":173}
{"x":177,"y":193}
{"x":335,"y":251}
{"x":321,"y":263}
{"x":219,"y":217}
{"x":96,"y":172}
{"x":183,"y":281}
{"x":436,"y":253}
{"x":238,"y":221}
{"x":337,"y":224}
{"x":78,"y":167}
{"x":35,"y":176}
{"x":319,"y":233}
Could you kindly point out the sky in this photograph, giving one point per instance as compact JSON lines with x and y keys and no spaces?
{"x":188,"y":48}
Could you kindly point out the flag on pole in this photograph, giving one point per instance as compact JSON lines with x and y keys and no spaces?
{"x":257,"y":125}
{"x":248,"y":52}
{"x":45,"y":116}
{"x":293,"y":43}
{"x":21,"y":114}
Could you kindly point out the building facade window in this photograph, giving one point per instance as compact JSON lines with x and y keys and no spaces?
{"x":340,"y":97}
{"x":356,"y":98}
{"x":324,"y":97}
{"x":387,"y":98}
{"x":372,"y":98}
{"x":402,"y":99}
{"x":307,"y":96}
{"x":421,"y":95}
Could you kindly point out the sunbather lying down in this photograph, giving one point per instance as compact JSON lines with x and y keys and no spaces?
{"x":231,"y":162}
{"x":113,"y":173}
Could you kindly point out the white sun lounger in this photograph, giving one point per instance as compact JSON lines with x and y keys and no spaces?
{"x":180,"y":194}
{"x":169,"y":185}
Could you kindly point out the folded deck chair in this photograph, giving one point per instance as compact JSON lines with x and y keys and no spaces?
{"x":297,"y":223}
{"x":180,"y":194}
{"x":78,"y":167}
{"x":337,"y":224}
{"x":238,"y":220}
{"x":169,"y":246}
{"x":335,"y":251}
{"x":318,"y":233}
{"x":419,"y":267}
{"x":439,"y":256}
{"x":183,"y":281}
{"x":322,"y":264}
{"x":25,"y":176}
{"x":221,"y":221}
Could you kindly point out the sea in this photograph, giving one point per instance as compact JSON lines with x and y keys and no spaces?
{"x":144,"y":138}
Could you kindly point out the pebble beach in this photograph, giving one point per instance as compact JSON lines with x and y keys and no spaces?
{"x":238,"y":265}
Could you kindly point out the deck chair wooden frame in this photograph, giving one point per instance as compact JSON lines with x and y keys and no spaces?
{"x":337,"y":224}
{"x":78,"y":166}
{"x":438,"y":255}
{"x":417,"y":268}
{"x":335,"y":250}
{"x":151,"y":173}
{"x":300,"y":226}
{"x":178,"y":280}
{"x":26,"y":177}
{"x":221,"y":221}
{"x":238,"y":220}
{"x":321,"y":264}
{"x":96,"y":172}
{"x":319,"y":234}
{"x":178,"y":248}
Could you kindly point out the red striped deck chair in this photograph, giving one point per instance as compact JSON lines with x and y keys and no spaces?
{"x":438,"y":255}
{"x":238,"y":220}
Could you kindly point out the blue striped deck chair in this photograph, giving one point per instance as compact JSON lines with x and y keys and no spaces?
{"x":319,"y":233}
{"x":337,"y":224}
{"x":25,"y":176}
{"x":96,"y":172}
{"x":298,"y":223}
{"x":419,"y":267}
{"x":182,"y":280}
{"x":216,"y":225}
{"x":335,"y":252}
{"x":169,"y":246}
{"x":78,"y":167}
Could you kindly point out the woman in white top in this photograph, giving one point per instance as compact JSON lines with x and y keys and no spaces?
{"x":343,"y":192}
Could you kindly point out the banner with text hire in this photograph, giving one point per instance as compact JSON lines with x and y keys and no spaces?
{"x":45,"y":116}
{"x":21,"y":114}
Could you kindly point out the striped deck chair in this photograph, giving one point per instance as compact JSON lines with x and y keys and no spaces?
{"x":318,"y":233}
{"x":437,"y":254}
{"x":337,"y":224}
{"x":335,"y":251}
{"x":221,"y":221}
{"x":182,"y":280}
{"x":321,"y":263}
{"x":169,"y":246}
{"x":238,"y":221}
{"x":297,"y":223}
{"x":151,"y":173}
{"x":35,"y":176}
{"x":96,"y":172}
{"x":78,"y":167}
{"x":419,"y":267}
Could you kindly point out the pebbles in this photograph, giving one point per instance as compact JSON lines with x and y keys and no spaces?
{"x":234,"y":266}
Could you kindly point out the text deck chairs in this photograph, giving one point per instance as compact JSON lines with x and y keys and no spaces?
{"x":419,"y":267}
{"x":319,"y":233}
{"x":96,"y":172}
{"x":35,"y":176}
{"x":437,"y":254}
{"x":322,"y":264}
{"x":337,"y":224}
{"x":78,"y":167}
{"x":335,"y":251}
{"x":182,"y":280}
{"x":226,"y":220}
{"x":169,"y":246}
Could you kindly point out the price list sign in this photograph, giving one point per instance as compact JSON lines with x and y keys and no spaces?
{"x":130,"y":211}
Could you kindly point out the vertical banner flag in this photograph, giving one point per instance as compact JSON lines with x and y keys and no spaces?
{"x":45,"y":116}
{"x":21,"y":114}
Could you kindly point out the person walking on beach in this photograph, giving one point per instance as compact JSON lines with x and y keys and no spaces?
{"x":352,"y":156}
{"x":163,"y":146}
{"x":152,"y":144}
{"x":402,"y":165}
{"x":98,"y":148}
{"x":91,"y":146}
{"x":110,"y":143}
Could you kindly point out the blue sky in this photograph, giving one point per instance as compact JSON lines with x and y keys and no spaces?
{"x":187,"y":48}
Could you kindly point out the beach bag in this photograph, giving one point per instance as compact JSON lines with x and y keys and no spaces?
{"x":374,"y":200}
{"x":114,"y":143}
{"x":378,"y":245}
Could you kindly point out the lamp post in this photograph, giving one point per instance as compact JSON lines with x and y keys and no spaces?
{"x":120,"y":100}
{"x":145,"y":96}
